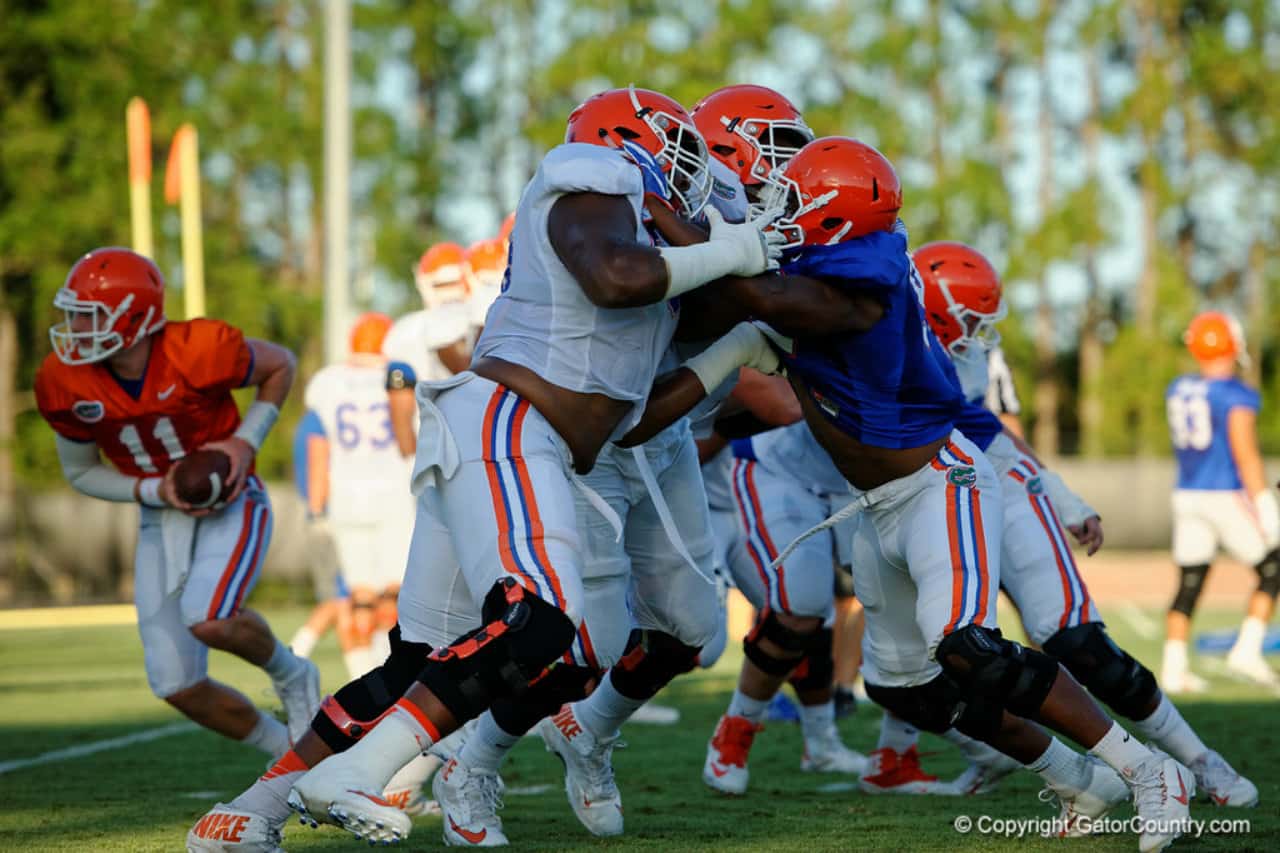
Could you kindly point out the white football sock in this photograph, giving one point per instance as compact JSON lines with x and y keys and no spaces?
{"x":1062,"y":768}
{"x":975,"y":750}
{"x":304,"y":642}
{"x":283,"y":664}
{"x":1175,"y":659}
{"x":488,"y":745}
{"x":269,"y":735}
{"x":392,"y":743}
{"x":1249,"y":641}
{"x":414,"y":775}
{"x":817,"y":720}
{"x":1120,"y":749}
{"x":604,"y":711}
{"x":1166,"y":727}
{"x":742,"y":705}
{"x":897,"y":734}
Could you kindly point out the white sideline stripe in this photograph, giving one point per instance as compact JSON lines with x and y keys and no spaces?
{"x":68,"y":617}
{"x":97,"y":746}
{"x":1140,"y":622}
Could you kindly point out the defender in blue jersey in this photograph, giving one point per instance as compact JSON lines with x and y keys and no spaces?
{"x":926,"y":551}
{"x":1221,"y":499}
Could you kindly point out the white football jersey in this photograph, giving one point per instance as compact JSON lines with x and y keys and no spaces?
{"x":481,"y":300}
{"x":415,"y":337}
{"x":543,"y":320}
{"x":366,"y":469}
{"x":727,"y":193}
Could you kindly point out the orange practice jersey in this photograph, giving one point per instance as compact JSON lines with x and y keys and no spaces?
{"x":184,"y":401}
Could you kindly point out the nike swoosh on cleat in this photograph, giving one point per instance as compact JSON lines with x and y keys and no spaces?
{"x":1181,"y":796}
{"x":1222,"y":801}
{"x":473,"y":837}
{"x":718,"y":770}
{"x":371,"y":798}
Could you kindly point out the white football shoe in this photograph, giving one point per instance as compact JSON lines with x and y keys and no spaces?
{"x":1251,"y":667}
{"x":588,"y":771}
{"x":1218,"y":779}
{"x":405,"y":790}
{"x":1079,"y":808}
{"x":981,"y":777}
{"x":1181,"y":683}
{"x":335,"y":791}
{"x":1162,"y":791}
{"x":725,"y":768}
{"x":826,"y":753}
{"x":469,"y":803}
{"x":225,"y":829}
{"x":300,"y":695}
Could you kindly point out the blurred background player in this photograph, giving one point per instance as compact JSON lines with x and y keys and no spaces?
{"x":322,"y":561}
{"x":1221,"y":499}
{"x":429,"y":344}
{"x":486,"y":263}
{"x":359,"y":481}
{"x":123,"y":383}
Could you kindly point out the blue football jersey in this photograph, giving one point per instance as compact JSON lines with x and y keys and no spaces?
{"x":884,"y":387}
{"x":1197,"y":408}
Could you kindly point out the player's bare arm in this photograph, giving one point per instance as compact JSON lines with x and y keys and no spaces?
{"x":273,"y":371}
{"x":456,"y":356}
{"x":402,"y":408}
{"x":593,"y":235}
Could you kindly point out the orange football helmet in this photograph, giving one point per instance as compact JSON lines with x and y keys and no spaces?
{"x":112,"y":298}
{"x":441,"y":274}
{"x":751,"y":129}
{"x":962,"y":295}
{"x":620,"y":118}
{"x":486,"y":262}
{"x":368,"y":333}
{"x":508,"y":225}
{"x":1213,"y":335}
{"x":835,"y":189}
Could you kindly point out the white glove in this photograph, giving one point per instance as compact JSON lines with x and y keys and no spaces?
{"x":743,"y":346}
{"x":741,"y":248}
{"x":1268,"y":516}
{"x":1072,"y":509}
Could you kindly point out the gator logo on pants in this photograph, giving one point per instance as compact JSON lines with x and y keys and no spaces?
{"x":962,"y":476}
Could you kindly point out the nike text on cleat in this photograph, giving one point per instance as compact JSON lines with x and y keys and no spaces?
{"x":229,"y":830}
{"x":725,"y":768}
{"x":469,"y":803}
{"x":890,"y":772}
{"x":300,"y":695}
{"x":588,"y":771}
{"x":1218,"y":779}
{"x":1162,"y":790}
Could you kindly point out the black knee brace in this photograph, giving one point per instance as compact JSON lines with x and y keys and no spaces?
{"x":1269,"y":574}
{"x":794,"y":643}
{"x":1190,"y":584}
{"x":347,"y":715}
{"x":651,"y":660}
{"x":563,"y":683}
{"x":817,"y":668}
{"x":1110,"y":673}
{"x":522,"y":635}
{"x":983,"y":662}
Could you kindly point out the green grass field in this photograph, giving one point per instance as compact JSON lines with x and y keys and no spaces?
{"x":72,"y":687}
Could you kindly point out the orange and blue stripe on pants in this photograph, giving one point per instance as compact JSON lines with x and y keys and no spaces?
{"x":246,"y":558}
{"x":759,"y":543}
{"x":1075,"y":595}
{"x":971,"y":583}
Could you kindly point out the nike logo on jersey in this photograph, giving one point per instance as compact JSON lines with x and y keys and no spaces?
{"x":164,"y":395}
{"x":472,"y":837}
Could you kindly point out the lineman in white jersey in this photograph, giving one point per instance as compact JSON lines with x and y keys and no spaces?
{"x":568,"y":355}
{"x":432,"y":343}
{"x":364,"y":487}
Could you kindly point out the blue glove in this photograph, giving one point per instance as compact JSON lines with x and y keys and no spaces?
{"x":655,"y":180}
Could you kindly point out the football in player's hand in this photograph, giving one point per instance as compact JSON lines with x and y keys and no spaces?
{"x":200,"y":478}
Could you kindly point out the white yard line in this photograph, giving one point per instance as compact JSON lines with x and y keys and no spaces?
{"x":1146,"y":627}
{"x":97,"y":746}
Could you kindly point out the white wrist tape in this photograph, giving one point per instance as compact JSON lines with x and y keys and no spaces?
{"x":149,"y":492}
{"x":1268,"y":515}
{"x":689,"y":267}
{"x":717,"y":362}
{"x":258,"y":421}
{"x":1072,"y":510}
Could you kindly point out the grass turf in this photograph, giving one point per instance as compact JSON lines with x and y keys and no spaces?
{"x":68,"y":687}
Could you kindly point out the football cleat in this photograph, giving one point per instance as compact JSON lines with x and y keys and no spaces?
{"x":334,"y":791}
{"x":826,"y":753}
{"x":300,"y":695}
{"x":1251,"y":667}
{"x":588,"y":771}
{"x":1105,"y":791}
{"x":405,"y":790}
{"x":224,"y":829}
{"x":1218,"y":779}
{"x":653,"y":714}
{"x":726,"y":766}
{"x":1162,"y":791}
{"x":981,"y":777}
{"x":890,"y":772}
{"x":469,"y":802}
{"x":1186,"y":681}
